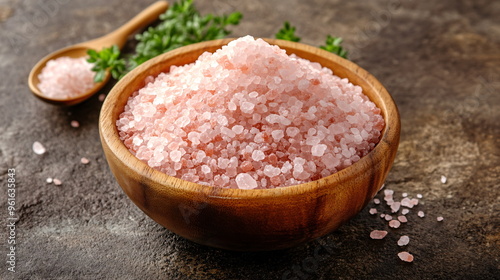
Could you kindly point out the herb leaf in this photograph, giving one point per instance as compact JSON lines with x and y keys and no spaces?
{"x":333,"y":45}
{"x":108,"y":59}
{"x":287,"y":33}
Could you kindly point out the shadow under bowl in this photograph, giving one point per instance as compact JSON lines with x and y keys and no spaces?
{"x":250,"y":220}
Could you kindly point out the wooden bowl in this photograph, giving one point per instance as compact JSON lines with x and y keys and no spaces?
{"x":250,"y":220}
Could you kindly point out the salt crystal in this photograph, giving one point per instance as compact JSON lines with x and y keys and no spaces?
{"x":388,"y":192}
{"x":245,"y":181}
{"x":382,"y":215}
{"x":403,"y":240}
{"x":38,"y":148}
{"x":376,"y":201}
{"x":405,"y":256}
{"x":57,"y":182}
{"x":75,"y":124}
{"x":258,"y":155}
{"x":373,"y":211}
{"x":419,"y":196}
{"x":101,"y":97}
{"x":49,"y":180}
{"x":421,"y":214}
{"x":402,"y":219}
{"x":439,"y":219}
{"x":406,"y":202}
{"x":395,"y":207}
{"x":66,"y":77}
{"x":84,"y":160}
{"x":404,"y":194}
{"x":318,"y":150}
{"x":443,"y":179}
{"x":378,"y":234}
{"x":388,"y":217}
{"x":405,"y":211}
{"x":394,"y":223}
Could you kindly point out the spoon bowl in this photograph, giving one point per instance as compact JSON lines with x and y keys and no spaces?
{"x":117,"y":37}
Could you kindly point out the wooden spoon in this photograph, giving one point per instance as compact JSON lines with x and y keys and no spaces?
{"x":117,"y":37}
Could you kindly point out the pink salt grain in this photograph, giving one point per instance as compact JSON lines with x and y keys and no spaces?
{"x":394,"y":224}
{"x":376,"y":201}
{"x":84,"y":160}
{"x":439,"y":219}
{"x":378,"y":234}
{"x":405,"y":256}
{"x":402,"y":219}
{"x":66,"y":77}
{"x":266,"y":119}
{"x":57,"y":182}
{"x":403,"y":240}
{"x":405,"y":211}
{"x":373,"y":211}
{"x":38,"y":148}
{"x":421,"y":214}
{"x":75,"y":124}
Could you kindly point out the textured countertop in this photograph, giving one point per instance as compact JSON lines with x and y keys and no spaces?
{"x":440,"y":61}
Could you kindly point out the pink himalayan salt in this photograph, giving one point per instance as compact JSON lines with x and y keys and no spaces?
{"x":378,"y":234}
{"x":66,"y":77}
{"x":440,"y":219}
{"x":405,"y":211}
{"x":57,"y":182}
{"x":395,"y":207}
{"x":421,"y":214}
{"x":101,"y":97}
{"x":402,"y":219}
{"x":387,"y":217}
{"x":403,"y":240}
{"x":84,"y":160}
{"x":372,"y":211}
{"x":443,"y":179}
{"x":75,"y":124}
{"x":249,"y":102}
{"x":405,"y":256}
{"x":49,"y":180}
{"x":376,"y":201}
{"x":394,"y":223}
{"x":38,"y":148}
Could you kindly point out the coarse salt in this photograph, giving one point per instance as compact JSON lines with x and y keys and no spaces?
{"x":405,"y":256}
{"x":378,"y":234}
{"x":403,"y":240}
{"x":84,"y":160}
{"x":66,"y":77}
{"x":38,"y":148}
{"x":287,"y":119}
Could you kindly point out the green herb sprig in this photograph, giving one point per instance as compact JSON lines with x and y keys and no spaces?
{"x":287,"y":32}
{"x":181,"y":25}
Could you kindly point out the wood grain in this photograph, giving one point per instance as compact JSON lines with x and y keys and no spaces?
{"x":250,"y":220}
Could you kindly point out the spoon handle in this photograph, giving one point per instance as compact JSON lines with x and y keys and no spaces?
{"x":119,"y":36}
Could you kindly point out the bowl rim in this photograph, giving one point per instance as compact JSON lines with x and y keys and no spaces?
{"x":110,"y":137}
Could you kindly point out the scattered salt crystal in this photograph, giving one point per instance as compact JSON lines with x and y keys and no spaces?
{"x":395,"y":207}
{"x":406,"y":202}
{"x":403,"y":240}
{"x":66,"y":77}
{"x":421,"y":214}
{"x":382,"y":215}
{"x":101,"y":97}
{"x":414,"y":201}
{"x":439,"y":219}
{"x":443,"y":179}
{"x":388,"y":192}
{"x":245,"y":181}
{"x":318,"y":150}
{"x":38,"y":148}
{"x":388,"y":217}
{"x":373,"y":211}
{"x":84,"y":160}
{"x":57,"y":182}
{"x":419,"y":196}
{"x":402,"y":219}
{"x":378,"y":234}
{"x":49,"y":180}
{"x":405,"y":194}
{"x":75,"y":124}
{"x":376,"y":201}
{"x":394,"y":223}
{"x":258,"y":155}
{"x":405,"y":211}
{"x":405,"y":256}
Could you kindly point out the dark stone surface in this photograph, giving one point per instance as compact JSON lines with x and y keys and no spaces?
{"x":439,"y":59}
